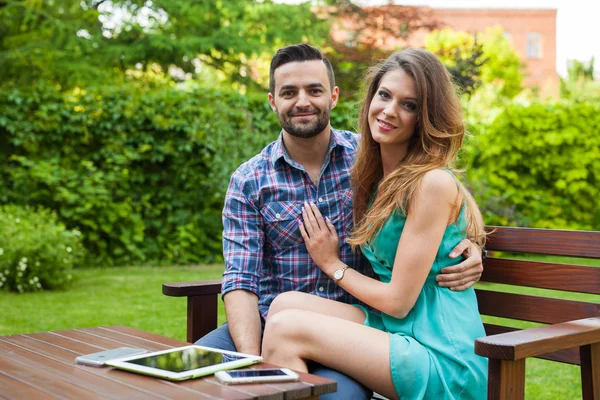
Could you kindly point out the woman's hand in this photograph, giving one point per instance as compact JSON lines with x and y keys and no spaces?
{"x":321,"y":239}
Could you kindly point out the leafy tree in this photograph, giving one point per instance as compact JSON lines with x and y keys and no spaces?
{"x":581,"y":70}
{"x":97,"y":40}
{"x":362,"y":35}
{"x":580,"y":84}
{"x":49,"y":39}
{"x":478,"y":59}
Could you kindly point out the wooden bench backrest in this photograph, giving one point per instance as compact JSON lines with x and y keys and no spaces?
{"x":503,"y":269}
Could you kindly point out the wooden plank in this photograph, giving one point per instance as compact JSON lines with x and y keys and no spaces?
{"x":78,"y":337}
{"x":153,"y":337}
{"x":70,"y":373}
{"x":566,"y":277}
{"x":533,"y":308}
{"x":81,"y":342}
{"x":545,"y":241}
{"x":77,"y":347}
{"x":590,"y":372}
{"x":47,"y":382}
{"x":506,"y":380}
{"x":568,"y":356}
{"x":157,"y":387}
{"x":197,"y":288}
{"x":167,"y":341}
{"x":124,"y":340}
{"x":14,"y":389}
{"x":535,"y":341}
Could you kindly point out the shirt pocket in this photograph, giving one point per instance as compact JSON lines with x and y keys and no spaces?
{"x":281,"y":223}
{"x":345,"y":198}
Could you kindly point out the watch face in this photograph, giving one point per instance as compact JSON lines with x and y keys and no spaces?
{"x":338,"y":274}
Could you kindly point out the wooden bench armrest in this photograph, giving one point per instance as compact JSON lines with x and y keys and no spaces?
{"x":196,"y":288}
{"x":202,"y":305}
{"x":533,"y":342}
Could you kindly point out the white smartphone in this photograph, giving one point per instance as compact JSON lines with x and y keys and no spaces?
{"x":100,"y":358}
{"x":232,"y":377}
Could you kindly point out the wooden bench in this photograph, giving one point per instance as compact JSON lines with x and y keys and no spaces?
{"x":572,"y":333}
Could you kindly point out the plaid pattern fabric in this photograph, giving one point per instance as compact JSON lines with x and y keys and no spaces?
{"x":263,"y":249}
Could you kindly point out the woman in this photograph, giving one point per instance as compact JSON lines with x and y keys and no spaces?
{"x":409,"y":211}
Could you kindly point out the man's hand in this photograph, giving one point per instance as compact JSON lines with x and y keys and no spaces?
{"x":464,"y":275}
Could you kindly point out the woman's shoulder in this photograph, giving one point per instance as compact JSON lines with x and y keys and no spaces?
{"x":439,"y":182}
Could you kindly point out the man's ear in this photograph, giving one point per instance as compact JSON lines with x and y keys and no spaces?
{"x":272,"y":102}
{"x":335,"y":94}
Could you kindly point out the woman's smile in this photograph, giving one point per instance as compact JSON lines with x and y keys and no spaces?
{"x":384,"y":125}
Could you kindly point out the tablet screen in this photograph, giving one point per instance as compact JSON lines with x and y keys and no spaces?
{"x":185,"y":359}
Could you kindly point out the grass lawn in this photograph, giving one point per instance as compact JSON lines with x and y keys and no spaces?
{"x":132,"y":296}
{"x":129,"y":296}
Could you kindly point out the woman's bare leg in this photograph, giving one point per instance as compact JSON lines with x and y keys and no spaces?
{"x":309,"y":302}
{"x":363,"y":353}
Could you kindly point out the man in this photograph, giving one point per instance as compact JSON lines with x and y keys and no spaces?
{"x":263,"y":248}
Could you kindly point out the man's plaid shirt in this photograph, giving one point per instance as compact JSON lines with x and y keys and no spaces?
{"x":264,"y":251}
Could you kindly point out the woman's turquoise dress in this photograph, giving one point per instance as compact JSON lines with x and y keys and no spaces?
{"x":431,"y":349}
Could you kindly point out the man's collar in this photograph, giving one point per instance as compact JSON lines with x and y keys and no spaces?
{"x":336,"y":139}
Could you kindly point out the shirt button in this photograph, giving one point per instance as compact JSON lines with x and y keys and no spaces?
{"x":277,"y":216}
{"x":320,"y":199}
{"x":321,"y":288}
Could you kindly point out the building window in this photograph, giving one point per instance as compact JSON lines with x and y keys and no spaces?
{"x":534,"y":45}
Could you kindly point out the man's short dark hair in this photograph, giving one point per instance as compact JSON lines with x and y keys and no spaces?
{"x":298,"y":52}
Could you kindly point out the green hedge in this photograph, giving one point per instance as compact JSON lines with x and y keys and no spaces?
{"x":539,"y":166}
{"x":140,"y":171}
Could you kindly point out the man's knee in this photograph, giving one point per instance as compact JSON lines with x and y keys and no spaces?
{"x":220,"y":338}
{"x":347,"y":388}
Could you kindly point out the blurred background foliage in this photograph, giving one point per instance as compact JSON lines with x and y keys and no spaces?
{"x":125,"y":118}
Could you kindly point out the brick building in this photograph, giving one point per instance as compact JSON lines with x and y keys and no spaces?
{"x":532,"y":32}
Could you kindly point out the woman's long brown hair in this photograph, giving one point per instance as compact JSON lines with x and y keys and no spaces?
{"x":438,"y":136}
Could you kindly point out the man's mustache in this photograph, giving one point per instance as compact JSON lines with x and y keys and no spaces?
{"x":304,"y":112}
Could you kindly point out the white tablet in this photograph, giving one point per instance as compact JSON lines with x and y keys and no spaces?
{"x":183,"y":363}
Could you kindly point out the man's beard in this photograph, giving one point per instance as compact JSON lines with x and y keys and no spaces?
{"x":306,"y":129}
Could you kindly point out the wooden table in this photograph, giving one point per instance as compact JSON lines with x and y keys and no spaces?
{"x":42,"y":366}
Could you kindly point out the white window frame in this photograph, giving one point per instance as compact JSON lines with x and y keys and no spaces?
{"x":534,"y":45}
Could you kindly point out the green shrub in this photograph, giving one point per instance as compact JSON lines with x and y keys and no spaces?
{"x":539,"y":166}
{"x":36,"y":251}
